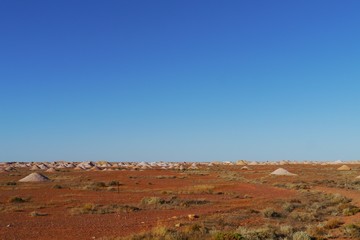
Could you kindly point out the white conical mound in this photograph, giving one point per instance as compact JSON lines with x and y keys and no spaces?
{"x":34,"y":177}
{"x":282,"y":172}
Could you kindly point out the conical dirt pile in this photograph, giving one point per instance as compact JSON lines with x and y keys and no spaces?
{"x":282,"y":172}
{"x":344,"y":168}
{"x":34,"y":177}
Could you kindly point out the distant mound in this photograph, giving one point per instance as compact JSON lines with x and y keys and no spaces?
{"x":337,"y":162}
{"x":34,"y":177}
{"x":282,"y":172}
{"x":51,"y":170}
{"x":344,"y":168}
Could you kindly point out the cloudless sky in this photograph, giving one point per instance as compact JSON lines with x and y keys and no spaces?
{"x":179,"y":80}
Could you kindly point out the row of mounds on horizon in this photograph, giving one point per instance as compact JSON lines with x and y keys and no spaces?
{"x":38,"y":177}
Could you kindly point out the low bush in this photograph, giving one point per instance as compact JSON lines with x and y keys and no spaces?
{"x":301,"y":236}
{"x":228,"y":236}
{"x":199,"y":189}
{"x":91,"y":208}
{"x":333,"y":223}
{"x":165,"y":233}
{"x":270,"y":213}
{"x":152,"y":201}
{"x":114,"y":183}
{"x":18,"y":200}
{"x":316,"y":231}
{"x":352,"y":231}
{"x":100,"y":184}
{"x":289,"y":207}
{"x":262,"y":233}
{"x":285,"y":230}
{"x":302,"y":216}
{"x":172,"y":202}
{"x":348,"y":209}
{"x":166,"y":177}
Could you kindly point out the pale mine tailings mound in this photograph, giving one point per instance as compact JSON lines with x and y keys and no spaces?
{"x":51,"y":170}
{"x":344,"y":168}
{"x":282,"y":172}
{"x":34,"y":177}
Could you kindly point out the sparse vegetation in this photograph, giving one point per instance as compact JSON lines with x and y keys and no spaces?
{"x":172,"y":202}
{"x":270,"y":213}
{"x":228,"y":203}
{"x":333,"y":223}
{"x":352,"y":230}
{"x":19,"y":199}
{"x":114,"y":183}
{"x":166,"y":177}
{"x":101,"y":186}
{"x":265,"y":232}
{"x":228,"y":236}
{"x":91,"y":208}
{"x":301,"y":235}
{"x":198,"y":189}
{"x":162,"y":232}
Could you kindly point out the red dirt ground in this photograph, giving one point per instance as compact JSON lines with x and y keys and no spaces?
{"x":227,"y":194}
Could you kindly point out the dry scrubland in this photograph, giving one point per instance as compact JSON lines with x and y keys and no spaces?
{"x":203,"y":201}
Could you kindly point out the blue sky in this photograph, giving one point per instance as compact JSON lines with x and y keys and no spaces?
{"x":179,"y":80}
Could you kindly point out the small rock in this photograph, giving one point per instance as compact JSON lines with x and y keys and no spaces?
{"x":192,"y":216}
{"x":178,"y":225}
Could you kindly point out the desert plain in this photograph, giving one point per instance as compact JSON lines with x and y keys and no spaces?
{"x":218,"y":200}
